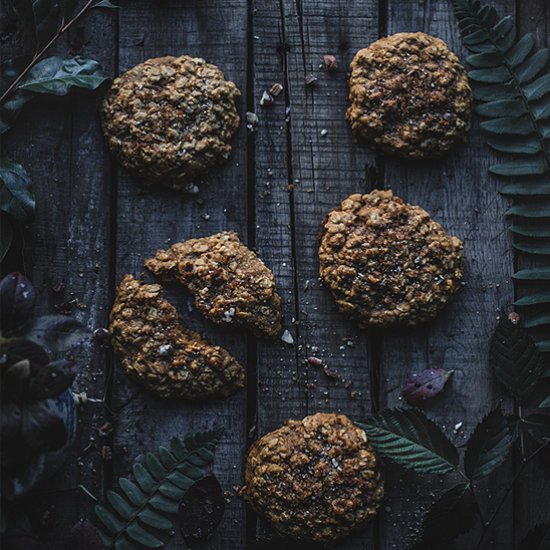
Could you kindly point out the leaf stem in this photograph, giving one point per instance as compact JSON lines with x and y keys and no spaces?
{"x":489,"y":522}
{"x":38,"y":54}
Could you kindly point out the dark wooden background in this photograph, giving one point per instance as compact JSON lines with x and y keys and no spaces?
{"x":93,"y":225}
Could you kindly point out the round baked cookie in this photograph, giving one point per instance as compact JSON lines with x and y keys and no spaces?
{"x":387,"y":262}
{"x":314,"y":479}
{"x":170,"y":119}
{"x":409,"y":96}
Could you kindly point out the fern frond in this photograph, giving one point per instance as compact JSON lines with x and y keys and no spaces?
{"x":140,"y":513}
{"x":512,"y":94}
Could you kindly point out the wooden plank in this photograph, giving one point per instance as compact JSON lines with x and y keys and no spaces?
{"x":532,"y":489}
{"x":458,"y":192}
{"x":150,"y":220}
{"x":326,"y":167}
{"x":66,"y":252}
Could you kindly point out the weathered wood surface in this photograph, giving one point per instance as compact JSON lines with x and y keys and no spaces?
{"x":94,"y":225}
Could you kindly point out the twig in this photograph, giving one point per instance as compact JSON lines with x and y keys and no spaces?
{"x":489,"y":522}
{"x":41,"y":52}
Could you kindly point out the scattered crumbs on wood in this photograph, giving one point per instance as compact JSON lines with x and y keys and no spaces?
{"x":331,"y":64}
{"x":287,"y":337}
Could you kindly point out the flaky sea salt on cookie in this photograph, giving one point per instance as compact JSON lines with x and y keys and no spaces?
{"x":155,"y":349}
{"x":409,"y":96}
{"x":170,"y":119}
{"x":231,"y":285}
{"x":387,"y":262}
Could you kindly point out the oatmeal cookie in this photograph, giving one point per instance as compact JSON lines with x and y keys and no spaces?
{"x":409,"y":96}
{"x":387,"y":262}
{"x":155,"y":349}
{"x":229,"y":282}
{"x":315,"y":479}
{"x":170,"y":119}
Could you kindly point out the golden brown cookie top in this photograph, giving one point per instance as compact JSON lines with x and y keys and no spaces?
{"x":387,"y":262}
{"x":155,"y":349}
{"x":314,"y":479}
{"x":170,"y":119}
{"x":229,"y":282}
{"x":409,"y":96}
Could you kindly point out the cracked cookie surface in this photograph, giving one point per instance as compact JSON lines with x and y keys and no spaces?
{"x":170,"y":119}
{"x":315,"y":479}
{"x":156,"y":350}
{"x":387,"y":262}
{"x":409,"y":96}
{"x":229,"y":282}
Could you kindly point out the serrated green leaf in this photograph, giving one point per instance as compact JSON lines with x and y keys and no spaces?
{"x":120,"y":505}
{"x":488,"y":446}
{"x":409,"y":438}
{"x":531,"y":320}
{"x":168,"y":460}
{"x":453,"y":514}
{"x":43,"y":17}
{"x":537,"y":425}
{"x":155,"y":520}
{"x":545,"y":403}
{"x":156,"y":469}
{"x":534,"y":299}
{"x":145,"y":481}
{"x":537,"y":249}
{"x":529,"y":145}
{"x":113,"y":524}
{"x":57,"y":75}
{"x":141,"y":536}
{"x":14,"y":103}
{"x":533,"y":274}
{"x":501,"y":108}
{"x":520,"y":167}
{"x":6,"y":234}
{"x":106,"y":4}
{"x":533,"y":66}
{"x":538,"y":88}
{"x":131,"y":490}
{"x":16,"y":196}
{"x":519,"y":52}
{"x":495,"y":75}
{"x":540,"y":209}
{"x":514,"y":359}
{"x":544,"y":346}
{"x":516,"y":126}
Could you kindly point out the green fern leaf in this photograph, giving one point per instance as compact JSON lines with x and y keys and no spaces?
{"x":516,"y":126}
{"x":534,"y":299}
{"x":538,"y":88}
{"x":528,"y":146}
{"x":530,"y":188}
{"x":160,"y":486}
{"x":536,"y":249}
{"x":544,"y":346}
{"x":533,"y":210}
{"x":526,"y":231}
{"x":520,"y":167}
{"x":495,"y":75}
{"x":521,"y":50}
{"x":495,"y":92}
{"x":533,"y":66}
{"x":533,"y":274}
{"x":484,"y":60}
{"x":531,"y":320}
{"x":502,"y":108}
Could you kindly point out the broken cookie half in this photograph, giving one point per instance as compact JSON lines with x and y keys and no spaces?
{"x":229,"y":282}
{"x":155,"y":349}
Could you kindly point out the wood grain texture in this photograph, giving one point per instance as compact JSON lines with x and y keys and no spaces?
{"x":67,"y":255}
{"x":148,"y":220}
{"x":458,"y":192}
{"x":94,"y":224}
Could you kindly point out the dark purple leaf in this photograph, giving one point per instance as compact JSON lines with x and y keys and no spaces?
{"x":18,"y":349}
{"x":57,"y":333}
{"x":425,"y":385}
{"x":83,"y":535}
{"x":201,"y":510}
{"x":41,"y":428}
{"x":17,"y":300}
{"x":52,"y":379}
